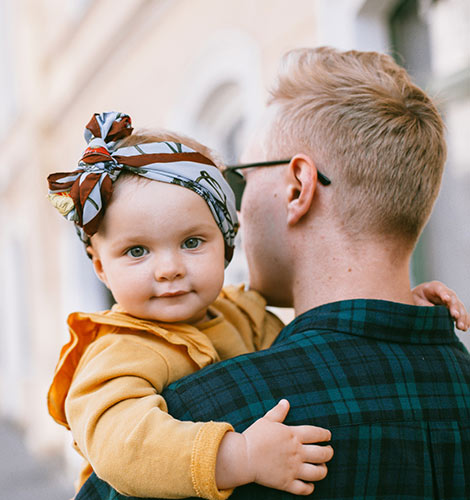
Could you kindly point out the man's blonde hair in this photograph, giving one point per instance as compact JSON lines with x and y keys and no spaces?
{"x":375,"y":134}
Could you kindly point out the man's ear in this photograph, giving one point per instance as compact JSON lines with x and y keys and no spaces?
{"x":97,"y":264}
{"x":301,"y":187}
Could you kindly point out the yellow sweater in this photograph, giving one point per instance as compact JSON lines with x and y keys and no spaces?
{"x":107,"y":387}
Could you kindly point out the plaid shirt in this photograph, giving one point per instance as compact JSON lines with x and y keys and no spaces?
{"x":391,"y":381}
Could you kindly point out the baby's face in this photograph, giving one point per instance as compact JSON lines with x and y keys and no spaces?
{"x":160,"y":252}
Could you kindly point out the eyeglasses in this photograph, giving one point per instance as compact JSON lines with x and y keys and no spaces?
{"x":237,"y":182}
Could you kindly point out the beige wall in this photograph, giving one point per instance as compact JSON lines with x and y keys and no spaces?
{"x":192,"y":65}
{"x":157,"y":60}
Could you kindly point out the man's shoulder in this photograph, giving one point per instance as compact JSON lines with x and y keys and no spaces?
{"x":340,"y":358}
{"x":243,"y":388}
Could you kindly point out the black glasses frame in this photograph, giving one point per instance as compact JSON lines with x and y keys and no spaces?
{"x":237,"y":182}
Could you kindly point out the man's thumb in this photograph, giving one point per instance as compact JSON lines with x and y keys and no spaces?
{"x":279,"y":412}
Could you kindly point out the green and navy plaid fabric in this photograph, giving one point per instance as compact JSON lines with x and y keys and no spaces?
{"x":391,"y":381}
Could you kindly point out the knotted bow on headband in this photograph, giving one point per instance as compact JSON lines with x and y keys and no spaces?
{"x":81,"y":196}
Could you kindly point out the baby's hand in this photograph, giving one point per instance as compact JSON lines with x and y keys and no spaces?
{"x":275,"y":455}
{"x":282,"y":456}
{"x":436,"y":293}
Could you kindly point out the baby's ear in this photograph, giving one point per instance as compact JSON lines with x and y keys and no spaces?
{"x":97,"y":264}
{"x":89,"y":252}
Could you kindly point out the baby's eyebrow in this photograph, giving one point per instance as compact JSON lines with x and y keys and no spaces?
{"x":136,"y":239}
{"x":195,"y":228}
{"x":129,"y":240}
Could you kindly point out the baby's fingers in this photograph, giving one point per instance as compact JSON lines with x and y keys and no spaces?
{"x":313,"y":454}
{"x":438,"y":293}
{"x":311,"y":434}
{"x":307,"y":475}
{"x":459,"y":313}
{"x":311,"y":473}
{"x":463,"y":323}
{"x":279,"y":412}
{"x":298,"y":487}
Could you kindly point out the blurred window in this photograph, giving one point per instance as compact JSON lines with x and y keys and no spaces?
{"x":410,"y":40}
{"x":220,"y":124}
{"x":15,"y":329}
{"x":77,"y":8}
{"x":409,"y":36}
{"x":8,"y":95}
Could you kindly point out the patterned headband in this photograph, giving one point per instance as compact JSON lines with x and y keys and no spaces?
{"x":81,"y":196}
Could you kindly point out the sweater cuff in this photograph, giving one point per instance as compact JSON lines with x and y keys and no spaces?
{"x":203,"y":460}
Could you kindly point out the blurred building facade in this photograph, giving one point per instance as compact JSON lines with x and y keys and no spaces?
{"x":200,"y":67}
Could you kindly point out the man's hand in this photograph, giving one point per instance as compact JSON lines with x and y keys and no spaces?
{"x":274,"y":455}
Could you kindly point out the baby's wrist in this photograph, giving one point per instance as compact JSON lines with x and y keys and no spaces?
{"x":232,"y":466}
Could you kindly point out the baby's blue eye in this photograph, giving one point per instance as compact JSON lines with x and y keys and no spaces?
{"x":136,"y":252}
{"x":191,"y":243}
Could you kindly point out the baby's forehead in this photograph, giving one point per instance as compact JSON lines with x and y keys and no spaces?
{"x":172,"y":191}
{"x":139,"y":197}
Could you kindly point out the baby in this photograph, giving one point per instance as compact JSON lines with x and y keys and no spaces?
{"x":159,"y":222}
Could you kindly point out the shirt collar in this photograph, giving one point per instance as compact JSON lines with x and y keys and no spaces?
{"x":378,"y":319}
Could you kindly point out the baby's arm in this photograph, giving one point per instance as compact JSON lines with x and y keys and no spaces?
{"x":120,"y":422}
{"x":257,"y":326}
{"x":436,"y":293}
{"x":274,"y":455}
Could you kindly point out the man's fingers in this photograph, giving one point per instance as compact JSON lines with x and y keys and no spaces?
{"x":279,"y":412}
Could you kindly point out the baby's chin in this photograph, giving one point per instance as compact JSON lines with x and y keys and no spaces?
{"x":192,"y":318}
{"x":195,"y":319}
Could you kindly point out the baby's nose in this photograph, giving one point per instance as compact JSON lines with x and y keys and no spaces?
{"x":169,"y":268}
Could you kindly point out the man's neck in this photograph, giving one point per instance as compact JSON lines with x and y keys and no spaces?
{"x":367,"y":272}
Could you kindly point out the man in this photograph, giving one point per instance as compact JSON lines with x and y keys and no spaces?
{"x":389,"y":379}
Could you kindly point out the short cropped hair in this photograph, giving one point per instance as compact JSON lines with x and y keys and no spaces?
{"x":370,"y":129}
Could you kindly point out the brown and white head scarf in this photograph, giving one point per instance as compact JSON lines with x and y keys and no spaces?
{"x":81,"y":196}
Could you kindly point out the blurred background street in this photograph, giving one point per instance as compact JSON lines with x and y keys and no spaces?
{"x":24,"y":477}
{"x":202,"y":68}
